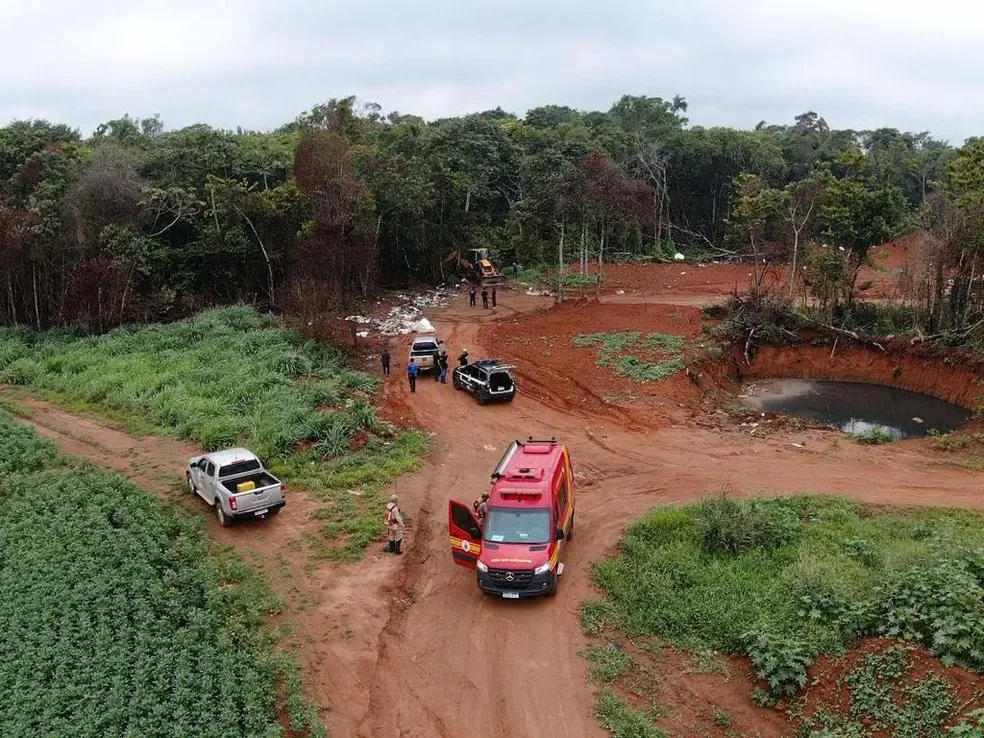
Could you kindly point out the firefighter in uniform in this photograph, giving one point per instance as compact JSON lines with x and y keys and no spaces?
{"x":481,"y":507}
{"x":394,"y":526}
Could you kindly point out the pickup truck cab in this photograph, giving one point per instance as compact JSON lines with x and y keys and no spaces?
{"x":518,"y":552}
{"x":487,"y":379}
{"x":422,"y":351}
{"x":236,"y":485}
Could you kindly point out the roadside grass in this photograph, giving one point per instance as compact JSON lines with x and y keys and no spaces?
{"x":783,"y":580}
{"x":230,"y":377}
{"x":872,"y":436}
{"x":662,"y":354}
{"x":120,"y":620}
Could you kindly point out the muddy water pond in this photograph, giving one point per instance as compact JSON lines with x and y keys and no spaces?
{"x":854,"y":407}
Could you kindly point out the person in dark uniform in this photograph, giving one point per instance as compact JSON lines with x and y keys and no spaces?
{"x":437,"y":364}
{"x":471,"y":296}
{"x":493,"y":297}
{"x":463,"y":358}
{"x":442,"y":362}
{"x":385,"y":360}
{"x":485,"y":298}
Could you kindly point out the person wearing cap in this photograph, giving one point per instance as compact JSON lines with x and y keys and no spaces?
{"x":394,"y":526}
{"x":463,"y":358}
{"x":481,"y":508}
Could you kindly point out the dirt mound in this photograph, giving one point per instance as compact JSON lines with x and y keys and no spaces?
{"x":568,"y":377}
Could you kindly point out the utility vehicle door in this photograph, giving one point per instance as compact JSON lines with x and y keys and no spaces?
{"x":464,"y":535}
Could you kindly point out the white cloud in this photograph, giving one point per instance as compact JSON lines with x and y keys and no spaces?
{"x":859,"y":63}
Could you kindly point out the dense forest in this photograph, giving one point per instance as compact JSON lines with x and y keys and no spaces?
{"x":136,"y":222}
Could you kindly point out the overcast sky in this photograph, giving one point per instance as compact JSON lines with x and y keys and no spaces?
{"x":258,"y":63}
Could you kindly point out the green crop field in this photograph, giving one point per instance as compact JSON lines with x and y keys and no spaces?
{"x":115,"y":621}
{"x":784,"y":580}
{"x":230,"y":377}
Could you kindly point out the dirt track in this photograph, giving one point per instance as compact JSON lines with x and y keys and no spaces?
{"x":408,"y":647}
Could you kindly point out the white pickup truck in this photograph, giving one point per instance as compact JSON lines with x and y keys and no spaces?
{"x":236,"y":485}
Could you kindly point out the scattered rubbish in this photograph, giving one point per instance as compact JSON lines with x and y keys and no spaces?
{"x":678,"y":256}
{"x":917,"y":420}
{"x":619,"y":292}
{"x":362,"y":334}
{"x":799,"y":445}
{"x":538,"y":293}
{"x":406,"y":317}
{"x":487,"y":447}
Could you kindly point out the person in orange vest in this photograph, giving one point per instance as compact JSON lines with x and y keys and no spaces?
{"x":394,"y":526}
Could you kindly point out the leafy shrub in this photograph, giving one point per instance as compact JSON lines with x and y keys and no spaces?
{"x":780,"y":662}
{"x":647,"y":371}
{"x":872,"y":436}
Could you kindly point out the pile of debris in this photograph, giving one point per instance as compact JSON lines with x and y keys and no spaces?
{"x":406,"y":317}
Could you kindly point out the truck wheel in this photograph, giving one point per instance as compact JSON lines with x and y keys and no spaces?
{"x":220,"y":515}
{"x":191,"y":483}
{"x":480,"y":397}
{"x":570,"y":534}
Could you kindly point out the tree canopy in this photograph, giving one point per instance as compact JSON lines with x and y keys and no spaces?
{"x":139,"y":222}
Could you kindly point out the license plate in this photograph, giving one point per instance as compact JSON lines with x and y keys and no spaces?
{"x":262,"y":512}
{"x":510,"y":595}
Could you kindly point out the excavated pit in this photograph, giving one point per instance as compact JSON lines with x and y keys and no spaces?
{"x":856,"y":407}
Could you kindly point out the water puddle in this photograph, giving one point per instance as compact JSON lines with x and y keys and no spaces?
{"x":854,"y":407}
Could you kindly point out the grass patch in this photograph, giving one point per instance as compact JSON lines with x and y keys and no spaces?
{"x":661,"y":353}
{"x":782,"y":580}
{"x":607,"y":663}
{"x":622,"y":721}
{"x":117,"y":619}
{"x":229,"y":377}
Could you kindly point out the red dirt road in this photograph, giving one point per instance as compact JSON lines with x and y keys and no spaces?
{"x":407,"y":647}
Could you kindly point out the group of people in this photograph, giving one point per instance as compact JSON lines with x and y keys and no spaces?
{"x":441,"y":363}
{"x":485,"y":297}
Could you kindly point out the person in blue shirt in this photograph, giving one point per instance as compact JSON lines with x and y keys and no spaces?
{"x":412,"y":370}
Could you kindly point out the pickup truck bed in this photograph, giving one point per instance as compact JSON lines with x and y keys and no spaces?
{"x":259,"y":480}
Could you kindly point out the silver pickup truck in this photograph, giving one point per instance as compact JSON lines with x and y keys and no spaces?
{"x":236,"y":485}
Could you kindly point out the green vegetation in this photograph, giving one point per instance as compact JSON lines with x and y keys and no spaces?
{"x":607,"y":663}
{"x":622,"y":721}
{"x":116,"y":619}
{"x":136,"y":222}
{"x":783,"y":580}
{"x":872,"y":436}
{"x":228,"y":377}
{"x":612,"y":348}
{"x":885,"y":696}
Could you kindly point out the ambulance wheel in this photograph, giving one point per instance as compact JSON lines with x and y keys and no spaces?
{"x":553,"y":590}
{"x":570,"y":534}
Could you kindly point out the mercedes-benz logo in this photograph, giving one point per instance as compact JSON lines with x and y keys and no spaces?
{"x":510,"y":577}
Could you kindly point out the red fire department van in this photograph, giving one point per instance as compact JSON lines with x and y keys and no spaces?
{"x":530,"y":520}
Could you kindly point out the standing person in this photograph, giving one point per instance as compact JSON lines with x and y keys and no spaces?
{"x":394,"y":526}
{"x":485,"y":298}
{"x":437,"y":364}
{"x":442,"y":362}
{"x":385,"y":359}
{"x":481,"y":508}
{"x":463,"y":358}
{"x":493,"y":297}
{"x":412,"y":370}
{"x":471,"y":296}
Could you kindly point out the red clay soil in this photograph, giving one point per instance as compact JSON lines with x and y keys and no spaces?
{"x":896,"y":367}
{"x":407,"y":647}
{"x":566,"y":377}
{"x":828,"y":692}
{"x":679,"y":281}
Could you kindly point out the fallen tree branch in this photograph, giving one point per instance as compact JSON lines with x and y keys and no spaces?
{"x":844,"y":332}
{"x":748,"y":344}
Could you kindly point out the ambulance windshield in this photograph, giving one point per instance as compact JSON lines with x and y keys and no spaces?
{"x":517,"y":526}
